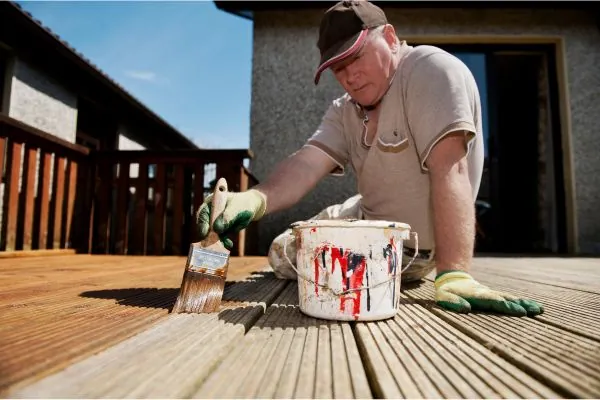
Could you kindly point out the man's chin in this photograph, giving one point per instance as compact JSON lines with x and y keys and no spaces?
{"x":364,"y":101}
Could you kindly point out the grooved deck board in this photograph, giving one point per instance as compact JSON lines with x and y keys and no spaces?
{"x":169,"y":359}
{"x":417,"y":355}
{"x":570,"y":309}
{"x":57,"y":310}
{"x":96,"y":326}
{"x":573,"y":273}
{"x":292,"y":356}
{"x":565,"y":361}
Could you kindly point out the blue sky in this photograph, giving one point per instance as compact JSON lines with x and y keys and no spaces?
{"x":161,"y":53}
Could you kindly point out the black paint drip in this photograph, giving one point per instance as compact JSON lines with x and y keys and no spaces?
{"x":390,"y":255}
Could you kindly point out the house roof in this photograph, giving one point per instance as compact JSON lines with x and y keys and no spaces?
{"x":39,"y":43}
{"x":246,"y":9}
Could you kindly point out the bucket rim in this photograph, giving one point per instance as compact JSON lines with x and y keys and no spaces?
{"x":350,"y":223}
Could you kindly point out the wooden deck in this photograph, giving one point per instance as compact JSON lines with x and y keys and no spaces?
{"x":91,"y":326}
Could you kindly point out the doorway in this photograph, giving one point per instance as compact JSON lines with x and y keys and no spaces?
{"x":521,"y":206}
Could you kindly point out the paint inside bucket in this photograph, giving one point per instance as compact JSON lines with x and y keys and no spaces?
{"x":349,"y":269}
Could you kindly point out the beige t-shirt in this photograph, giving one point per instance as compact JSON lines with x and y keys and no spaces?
{"x":432,"y":94}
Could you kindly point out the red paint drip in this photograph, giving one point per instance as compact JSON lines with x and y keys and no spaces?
{"x":319,"y":251}
{"x":342,"y":259}
{"x":354,"y":282}
{"x":316,"y":275}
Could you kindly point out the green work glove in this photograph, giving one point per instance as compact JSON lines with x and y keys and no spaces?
{"x":458,"y":291}
{"x":240,"y":209}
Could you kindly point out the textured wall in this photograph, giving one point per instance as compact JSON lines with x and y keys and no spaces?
{"x":37,"y":100}
{"x":287,"y":107}
{"x":128,"y":144}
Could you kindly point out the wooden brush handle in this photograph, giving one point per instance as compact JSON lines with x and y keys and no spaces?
{"x":219,"y":200}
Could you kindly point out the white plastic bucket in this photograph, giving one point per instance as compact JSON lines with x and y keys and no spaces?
{"x":349,"y":270}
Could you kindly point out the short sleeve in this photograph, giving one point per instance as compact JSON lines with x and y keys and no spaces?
{"x":330,"y":139}
{"x":441,"y":97}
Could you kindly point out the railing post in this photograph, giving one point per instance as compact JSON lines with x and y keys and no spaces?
{"x":82,"y":229}
{"x":12,"y":187}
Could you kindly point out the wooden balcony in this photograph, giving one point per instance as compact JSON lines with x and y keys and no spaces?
{"x":58,"y":195}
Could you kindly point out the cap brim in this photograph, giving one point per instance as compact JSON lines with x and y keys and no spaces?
{"x":347,"y":49}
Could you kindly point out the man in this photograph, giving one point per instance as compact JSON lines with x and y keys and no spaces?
{"x":410,"y":127}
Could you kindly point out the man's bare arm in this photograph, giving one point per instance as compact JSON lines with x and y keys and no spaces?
{"x":294,"y":177}
{"x":453,"y":204}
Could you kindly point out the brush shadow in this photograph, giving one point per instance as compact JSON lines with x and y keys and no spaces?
{"x":242,"y":291}
{"x":137,"y":297}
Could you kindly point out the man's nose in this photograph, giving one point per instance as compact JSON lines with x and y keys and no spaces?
{"x":352,"y":74}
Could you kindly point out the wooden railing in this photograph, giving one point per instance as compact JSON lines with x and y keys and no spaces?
{"x":42,"y":191}
{"x":146,"y":200}
{"x":58,"y":195}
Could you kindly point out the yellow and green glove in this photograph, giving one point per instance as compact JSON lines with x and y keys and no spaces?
{"x":458,"y":291}
{"x":240,"y":209}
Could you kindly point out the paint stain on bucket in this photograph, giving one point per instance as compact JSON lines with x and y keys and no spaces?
{"x":348,"y":270}
{"x":352,"y":267}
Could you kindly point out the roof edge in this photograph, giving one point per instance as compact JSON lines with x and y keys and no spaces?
{"x":95,"y":71}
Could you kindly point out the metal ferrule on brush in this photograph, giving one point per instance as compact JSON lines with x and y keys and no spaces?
{"x":206,"y":261}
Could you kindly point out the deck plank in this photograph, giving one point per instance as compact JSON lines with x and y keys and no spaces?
{"x":418,"y":355}
{"x":569,"y":309}
{"x":292,"y":356}
{"x":573,"y":273}
{"x":90,"y":326}
{"x":61,"y":309}
{"x":168,"y":359}
{"x":566,"y":362}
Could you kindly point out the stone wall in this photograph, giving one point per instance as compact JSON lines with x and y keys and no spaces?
{"x":287,"y":107}
{"x":39,"y":101}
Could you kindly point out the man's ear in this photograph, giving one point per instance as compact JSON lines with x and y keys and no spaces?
{"x":389,"y":34}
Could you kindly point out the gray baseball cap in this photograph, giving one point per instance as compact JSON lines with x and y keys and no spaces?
{"x":344,"y":29}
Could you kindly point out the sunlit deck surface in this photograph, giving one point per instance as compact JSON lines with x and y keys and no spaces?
{"x":91,"y":326}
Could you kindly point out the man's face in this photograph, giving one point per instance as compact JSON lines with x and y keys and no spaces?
{"x":365,"y":76}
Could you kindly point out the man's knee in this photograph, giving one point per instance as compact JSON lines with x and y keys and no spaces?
{"x":282,"y":252}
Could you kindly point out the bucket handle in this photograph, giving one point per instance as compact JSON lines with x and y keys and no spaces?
{"x":343,"y":292}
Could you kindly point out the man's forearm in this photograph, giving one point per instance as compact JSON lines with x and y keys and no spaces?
{"x":292,"y":179}
{"x":454,"y":218}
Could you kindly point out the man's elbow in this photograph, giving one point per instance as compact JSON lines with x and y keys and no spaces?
{"x":448,"y":157}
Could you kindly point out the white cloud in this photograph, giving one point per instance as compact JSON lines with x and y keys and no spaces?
{"x":147,"y":76}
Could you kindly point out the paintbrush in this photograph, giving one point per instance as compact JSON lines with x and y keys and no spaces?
{"x":206,"y":267}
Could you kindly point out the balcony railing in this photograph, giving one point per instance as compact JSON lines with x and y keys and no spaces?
{"x":40,"y":188}
{"x":146,"y":200}
{"x":58,"y":195}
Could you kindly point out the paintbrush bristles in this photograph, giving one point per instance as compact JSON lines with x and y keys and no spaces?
{"x":199,"y":293}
